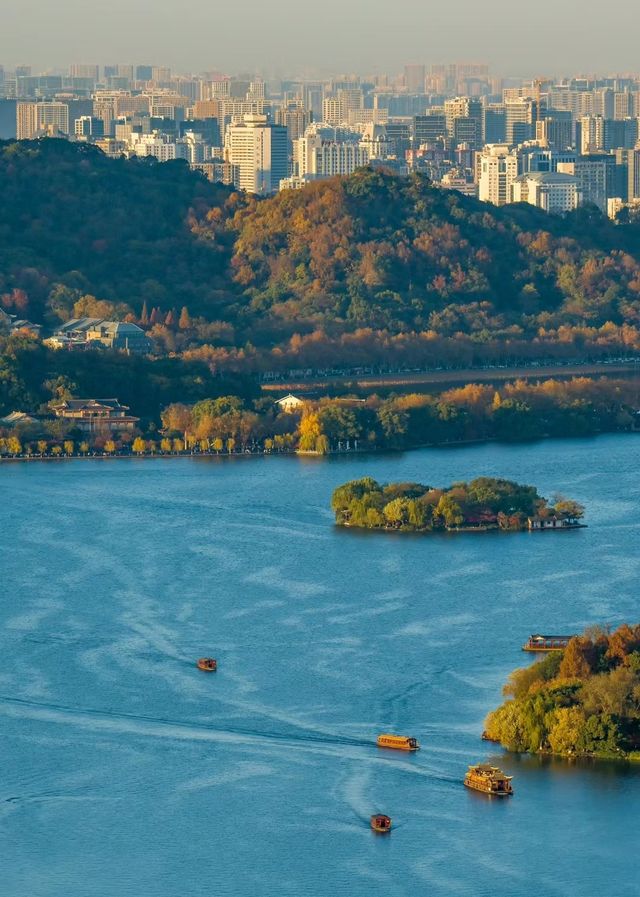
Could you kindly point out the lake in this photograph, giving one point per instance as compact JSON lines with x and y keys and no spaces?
{"x":126,"y":772}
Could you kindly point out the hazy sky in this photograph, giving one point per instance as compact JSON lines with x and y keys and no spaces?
{"x":284,"y":36}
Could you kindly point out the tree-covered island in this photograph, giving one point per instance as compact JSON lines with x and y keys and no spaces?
{"x":480,"y":505}
{"x":584,"y":700}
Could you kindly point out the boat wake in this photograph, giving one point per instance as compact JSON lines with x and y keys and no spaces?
{"x":157,"y":727}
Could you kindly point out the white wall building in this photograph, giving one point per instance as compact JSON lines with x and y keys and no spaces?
{"x":324,"y":152}
{"x":258,"y":153}
{"x":497,"y":170}
{"x":550,"y":191}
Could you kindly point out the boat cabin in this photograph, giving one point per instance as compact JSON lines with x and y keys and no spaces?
{"x":381,"y":823}
{"x":488,"y":779}
{"x":398,"y":742}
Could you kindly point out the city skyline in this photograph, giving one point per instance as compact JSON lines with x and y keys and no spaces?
{"x":281,"y":43}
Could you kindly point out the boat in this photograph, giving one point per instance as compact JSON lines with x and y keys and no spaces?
{"x":381,"y":823}
{"x":398,"y":742}
{"x":489,"y":780}
{"x":542,"y":643}
{"x":208,"y":664}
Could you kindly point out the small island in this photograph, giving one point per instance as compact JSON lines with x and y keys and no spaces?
{"x":481,"y":505}
{"x":583,"y":701}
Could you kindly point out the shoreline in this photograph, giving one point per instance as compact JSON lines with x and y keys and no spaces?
{"x":308,"y":454}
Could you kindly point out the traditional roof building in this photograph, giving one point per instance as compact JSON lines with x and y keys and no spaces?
{"x":96,"y":415}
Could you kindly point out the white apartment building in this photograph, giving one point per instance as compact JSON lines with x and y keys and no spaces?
{"x":155,"y":144}
{"x":497,"y":170}
{"x":593,"y":175}
{"x":324,"y":152}
{"x":258,"y":153}
{"x":554,"y":193}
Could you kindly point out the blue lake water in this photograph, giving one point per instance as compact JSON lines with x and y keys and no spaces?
{"x":125,"y":771}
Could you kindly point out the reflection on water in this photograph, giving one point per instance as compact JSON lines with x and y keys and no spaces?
{"x":127,"y":772}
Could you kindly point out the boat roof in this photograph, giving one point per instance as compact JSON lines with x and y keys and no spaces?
{"x":487,"y":769}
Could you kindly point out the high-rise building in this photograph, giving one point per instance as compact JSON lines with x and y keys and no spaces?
{"x":324,"y":152}
{"x":629,"y":159}
{"x":258,"y":152}
{"x":555,"y":129}
{"x":622,"y":105}
{"x":32,"y":119}
{"x":493,"y":123}
{"x":427,"y":128}
{"x":160,"y":74}
{"x":414,"y":78}
{"x":87,"y":126}
{"x":521,"y":116}
{"x":596,"y":176}
{"x":295,"y":118}
{"x":550,"y":191}
{"x":333,"y":112}
{"x":8,"y":119}
{"x":90,"y":72}
{"x":462,"y":107}
{"x":399,"y":134}
{"x":497,"y":169}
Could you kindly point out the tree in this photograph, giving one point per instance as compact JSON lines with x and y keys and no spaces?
{"x":56,"y":451}
{"x":578,"y":660}
{"x":309,"y":430}
{"x":110,"y":447}
{"x":14,"y":446}
{"x":185,"y":321}
{"x":218,"y":445}
{"x":450,"y":511}
{"x":231,"y":445}
{"x":565,"y":507}
{"x":322,"y":446}
{"x":394,"y":423}
{"x":69,"y":447}
{"x":396,"y":512}
{"x":84,"y":447}
{"x":566,"y":735}
{"x":42,"y":446}
{"x":178,"y":416}
{"x":166,"y":446}
{"x":139,"y":446}
{"x":179,"y":446}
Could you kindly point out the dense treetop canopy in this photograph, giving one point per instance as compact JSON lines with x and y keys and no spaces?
{"x":485,"y":502}
{"x":362,"y":268}
{"x":585,"y":700}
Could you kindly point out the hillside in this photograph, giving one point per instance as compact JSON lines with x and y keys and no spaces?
{"x":366,"y":270}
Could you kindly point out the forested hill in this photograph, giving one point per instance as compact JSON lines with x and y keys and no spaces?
{"x":73,"y":222}
{"x":365,"y":268}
